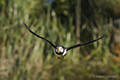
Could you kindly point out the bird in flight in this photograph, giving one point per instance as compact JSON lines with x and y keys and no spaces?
{"x":61,"y":51}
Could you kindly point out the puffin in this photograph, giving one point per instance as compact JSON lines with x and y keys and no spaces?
{"x":61,"y":51}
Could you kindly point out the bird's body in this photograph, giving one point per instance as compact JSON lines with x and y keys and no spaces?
{"x":61,"y":51}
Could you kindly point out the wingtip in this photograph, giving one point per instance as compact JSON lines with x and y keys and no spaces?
{"x":102,"y":36}
{"x":24,"y":23}
{"x":26,"y":26}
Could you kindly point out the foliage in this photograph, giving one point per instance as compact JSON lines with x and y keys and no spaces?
{"x":26,"y":57}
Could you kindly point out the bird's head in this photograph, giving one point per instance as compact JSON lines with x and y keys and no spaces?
{"x":59,"y":49}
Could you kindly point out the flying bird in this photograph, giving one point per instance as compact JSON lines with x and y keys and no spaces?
{"x":61,"y":51}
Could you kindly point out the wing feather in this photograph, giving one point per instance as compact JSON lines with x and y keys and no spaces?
{"x":39,"y":36}
{"x":77,"y":45}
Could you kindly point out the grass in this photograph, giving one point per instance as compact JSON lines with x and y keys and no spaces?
{"x":26,"y":57}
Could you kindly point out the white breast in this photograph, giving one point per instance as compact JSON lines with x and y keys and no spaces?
{"x":64,"y":53}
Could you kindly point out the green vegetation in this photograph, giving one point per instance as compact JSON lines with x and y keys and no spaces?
{"x":26,"y":57}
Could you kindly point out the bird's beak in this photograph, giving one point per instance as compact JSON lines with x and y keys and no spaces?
{"x":58,"y":50}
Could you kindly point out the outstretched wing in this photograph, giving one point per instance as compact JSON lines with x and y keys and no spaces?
{"x":77,"y":45}
{"x":39,"y":36}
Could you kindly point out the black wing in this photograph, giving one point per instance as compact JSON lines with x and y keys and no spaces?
{"x":39,"y":36}
{"x":77,"y":45}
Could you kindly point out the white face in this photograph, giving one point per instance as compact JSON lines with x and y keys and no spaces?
{"x":59,"y":49}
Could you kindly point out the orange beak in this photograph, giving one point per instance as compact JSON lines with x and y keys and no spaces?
{"x":58,"y":50}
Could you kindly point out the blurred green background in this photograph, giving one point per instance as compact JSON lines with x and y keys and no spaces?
{"x":23,"y":56}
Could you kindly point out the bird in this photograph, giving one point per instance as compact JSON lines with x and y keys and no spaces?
{"x":61,"y":51}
